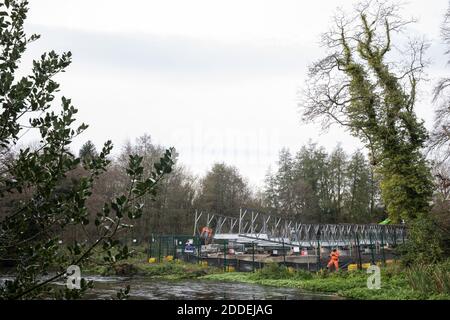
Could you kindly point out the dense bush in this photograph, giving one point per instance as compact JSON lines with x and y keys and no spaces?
{"x":279,"y":271}
{"x":397,"y":282}
{"x":424,"y":245}
{"x":273,"y":271}
{"x":430,"y":279}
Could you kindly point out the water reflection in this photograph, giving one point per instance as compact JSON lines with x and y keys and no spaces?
{"x":144,"y":288}
{"x":147,"y":288}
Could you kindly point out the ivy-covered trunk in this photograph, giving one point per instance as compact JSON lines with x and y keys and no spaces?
{"x":359,"y":86}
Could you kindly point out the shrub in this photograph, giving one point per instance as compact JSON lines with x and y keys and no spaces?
{"x":273,"y":271}
{"x":303,"y":275}
{"x":430,"y":279}
{"x":424,"y":245}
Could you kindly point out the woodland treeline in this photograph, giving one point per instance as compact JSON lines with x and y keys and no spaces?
{"x":310,"y":185}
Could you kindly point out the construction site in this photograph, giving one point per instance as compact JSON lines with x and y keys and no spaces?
{"x":253,"y":239}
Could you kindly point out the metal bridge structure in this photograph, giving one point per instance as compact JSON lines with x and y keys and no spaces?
{"x":270,"y":230}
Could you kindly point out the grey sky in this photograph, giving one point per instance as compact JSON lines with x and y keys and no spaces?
{"x":218,"y":80}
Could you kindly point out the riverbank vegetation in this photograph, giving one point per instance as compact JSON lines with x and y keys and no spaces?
{"x":137,"y":264}
{"x":397,"y":283}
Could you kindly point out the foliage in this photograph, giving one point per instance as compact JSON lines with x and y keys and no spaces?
{"x":223,"y":190}
{"x":30,"y":231}
{"x":440,"y":135}
{"x":363,"y":189}
{"x":357,"y":86}
{"x":395,"y":283}
{"x":168,"y":211}
{"x":430,"y":278}
{"x":439,"y":145}
{"x":441,"y":206}
{"x":315,"y":186}
{"x":273,"y":271}
{"x":360,"y":87}
{"x":279,"y":271}
{"x":88,"y":151}
{"x":168,"y":270}
{"x":424,"y":245}
{"x":123,"y":294}
{"x":176,"y":270}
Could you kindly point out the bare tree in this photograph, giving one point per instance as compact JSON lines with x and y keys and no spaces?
{"x":367,"y":83}
{"x":440,"y":136}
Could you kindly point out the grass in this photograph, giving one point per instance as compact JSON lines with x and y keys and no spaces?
{"x":137,"y":264}
{"x":430,"y":279}
{"x":174,"y":270}
{"x":396,"y":283}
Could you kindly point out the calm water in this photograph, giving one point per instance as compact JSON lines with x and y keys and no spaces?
{"x":145,"y":288}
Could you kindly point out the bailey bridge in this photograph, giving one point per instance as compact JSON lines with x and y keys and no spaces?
{"x":270,"y":230}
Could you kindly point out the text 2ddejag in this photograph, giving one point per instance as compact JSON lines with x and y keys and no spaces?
{"x":226,"y":309}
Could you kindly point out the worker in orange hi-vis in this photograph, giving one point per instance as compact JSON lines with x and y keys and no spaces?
{"x":206,"y":233}
{"x":334,"y":260}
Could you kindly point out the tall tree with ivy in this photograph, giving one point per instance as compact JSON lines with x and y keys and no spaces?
{"x":31,"y":230}
{"x":361,"y":86}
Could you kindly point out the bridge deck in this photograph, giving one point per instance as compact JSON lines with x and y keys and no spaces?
{"x":269,"y":230}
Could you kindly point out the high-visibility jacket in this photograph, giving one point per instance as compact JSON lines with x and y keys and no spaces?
{"x":206,"y":232}
{"x":334,"y":256}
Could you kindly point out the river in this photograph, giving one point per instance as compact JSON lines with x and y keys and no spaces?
{"x":145,"y":288}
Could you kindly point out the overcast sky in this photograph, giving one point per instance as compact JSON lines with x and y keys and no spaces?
{"x":218,"y":80}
